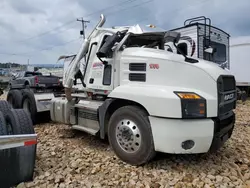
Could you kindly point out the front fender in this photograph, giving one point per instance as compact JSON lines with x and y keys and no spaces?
{"x":160,"y":100}
{"x":157,"y":101}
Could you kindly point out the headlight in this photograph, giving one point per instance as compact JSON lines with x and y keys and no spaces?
{"x":192,"y":105}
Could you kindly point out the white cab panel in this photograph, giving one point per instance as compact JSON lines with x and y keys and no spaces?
{"x":168,"y":134}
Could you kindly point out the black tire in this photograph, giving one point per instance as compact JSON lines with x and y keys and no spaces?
{"x":29,"y":104}
{"x":146,"y":150}
{"x":26,"y":86}
{"x":3,"y":156}
{"x":21,"y":123}
{"x":4,"y":107}
{"x":8,"y":160}
{"x":14,"y":98}
{"x":3,"y":129}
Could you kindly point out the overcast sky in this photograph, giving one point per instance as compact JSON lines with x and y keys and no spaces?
{"x":42,"y":30}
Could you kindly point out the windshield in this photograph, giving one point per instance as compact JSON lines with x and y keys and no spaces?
{"x":29,"y":74}
{"x":147,"y":40}
{"x":219,"y":56}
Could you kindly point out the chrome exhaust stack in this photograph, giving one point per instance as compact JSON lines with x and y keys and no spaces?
{"x":73,"y":68}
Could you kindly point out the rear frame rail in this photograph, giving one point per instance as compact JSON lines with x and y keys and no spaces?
{"x":13,"y":141}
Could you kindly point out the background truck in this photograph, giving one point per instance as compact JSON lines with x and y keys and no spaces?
{"x":33,"y":79}
{"x":144,"y":97}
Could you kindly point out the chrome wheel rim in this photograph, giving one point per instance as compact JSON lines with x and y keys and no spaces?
{"x":128,"y":136}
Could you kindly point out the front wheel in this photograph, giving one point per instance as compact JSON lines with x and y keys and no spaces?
{"x":130,"y":135}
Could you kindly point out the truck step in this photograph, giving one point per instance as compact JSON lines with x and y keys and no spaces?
{"x":89,"y":105}
{"x":85,"y":129}
{"x":80,"y":95}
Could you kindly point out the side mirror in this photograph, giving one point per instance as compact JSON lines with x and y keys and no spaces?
{"x":108,"y":44}
{"x":172,"y":36}
{"x":13,"y":77}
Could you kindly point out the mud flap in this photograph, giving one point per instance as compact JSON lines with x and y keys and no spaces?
{"x":102,"y":112}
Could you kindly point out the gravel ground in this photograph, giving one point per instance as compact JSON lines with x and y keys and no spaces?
{"x":67,"y":158}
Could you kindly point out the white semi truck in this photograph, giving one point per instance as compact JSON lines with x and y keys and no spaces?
{"x":146,"y":97}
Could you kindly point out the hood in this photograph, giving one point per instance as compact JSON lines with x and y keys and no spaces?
{"x":212,"y":69}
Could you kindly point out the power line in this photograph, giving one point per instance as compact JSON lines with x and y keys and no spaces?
{"x":137,"y":5}
{"x":149,"y":1}
{"x":44,"y":33}
{"x":83,"y":25}
{"x":69,"y":22}
{"x":51,"y":47}
{"x":11,"y":54}
{"x":39,"y":50}
{"x":101,"y":10}
{"x":104,"y":9}
{"x":83,"y":32}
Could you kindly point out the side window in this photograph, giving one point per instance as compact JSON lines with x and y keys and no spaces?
{"x":220,"y":54}
{"x":110,"y":55}
{"x":20,"y":74}
{"x":27,"y":74}
{"x":88,"y":63}
{"x":92,"y":51}
{"x":107,"y":75}
{"x":104,"y":40}
{"x":183,"y":47}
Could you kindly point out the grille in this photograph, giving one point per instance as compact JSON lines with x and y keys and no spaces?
{"x":226,"y":94}
{"x":139,"y":77}
{"x":229,"y":83}
{"x":137,"y":66}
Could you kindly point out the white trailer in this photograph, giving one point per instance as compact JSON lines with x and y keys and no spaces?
{"x":200,"y":39}
{"x":240,"y":61}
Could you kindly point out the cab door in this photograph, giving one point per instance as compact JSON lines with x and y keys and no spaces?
{"x":100,"y":74}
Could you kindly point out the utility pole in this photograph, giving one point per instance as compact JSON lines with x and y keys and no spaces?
{"x":83,"y":26}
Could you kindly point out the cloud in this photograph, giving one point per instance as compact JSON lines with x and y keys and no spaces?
{"x":24,"y":25}
{"x":25,"y":7}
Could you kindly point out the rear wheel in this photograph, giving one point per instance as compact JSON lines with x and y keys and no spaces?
{"x":3,"y":153}
{"x":29,"y":104}
{"x":26,"y":85}
{"x":4,"y":107}
{"x":19,"y":122}
{"x":130,"y":135}
{"x":8,"y":158}
{"x":10,"y":87}
{"x":14,"y":98}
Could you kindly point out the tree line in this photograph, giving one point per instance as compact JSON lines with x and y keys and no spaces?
{"x":9,"y":65}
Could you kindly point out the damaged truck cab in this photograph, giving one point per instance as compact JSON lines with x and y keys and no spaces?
{"x":145,"y":98}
